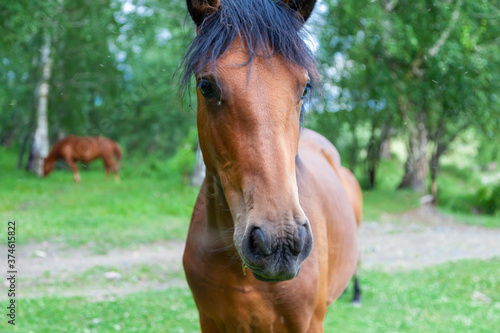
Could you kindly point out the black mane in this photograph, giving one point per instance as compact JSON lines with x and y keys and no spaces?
{"x":266,"y":26}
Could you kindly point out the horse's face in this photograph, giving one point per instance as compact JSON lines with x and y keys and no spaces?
{"x":248,"y":127}
{"x":249,"y":124}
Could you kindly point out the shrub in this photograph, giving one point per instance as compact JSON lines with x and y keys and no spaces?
{"x":488,"y":199}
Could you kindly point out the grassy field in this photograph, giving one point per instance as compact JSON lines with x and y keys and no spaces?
{"x":152,"y":204}
{"x":98,"y":214}
{"x":437,"y":299}
{"x":456,"y":194}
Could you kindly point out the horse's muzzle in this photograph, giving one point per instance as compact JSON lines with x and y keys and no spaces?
{"x":275,"y":254}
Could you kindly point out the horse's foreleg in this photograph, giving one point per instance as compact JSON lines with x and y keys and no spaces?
{"x":108,"y":165}
{"x":72,"y":166}
{"x":316,"y":326}
{"x":111,"y":167}
{"x":115,"y":170}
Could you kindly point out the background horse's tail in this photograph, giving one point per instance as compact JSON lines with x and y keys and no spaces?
{"x":354,"y":193}
{"x":118,"y":155}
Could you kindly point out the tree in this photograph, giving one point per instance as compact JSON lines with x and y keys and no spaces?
{"x":468,"y":92}
{"x":40,"y":147}
{"x":406,"y":50}
{"x":112,"y":65}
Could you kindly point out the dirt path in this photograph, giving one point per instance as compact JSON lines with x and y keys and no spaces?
{"x":423,"y":238}
{"x":37,"y":259}
{"x":408,"y":241}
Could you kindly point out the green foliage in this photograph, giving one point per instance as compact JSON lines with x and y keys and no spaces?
{"x":488,"y":199}
{"x":461,"y":195}
{"x":457,"y":195}
{"x":383,"y":200}
{"x":456,"y":188}
{"x":179,"y":166}
{"x":488,"y":154}
{"x":387,"y":61}
{"x":113,"y":67}
{"x":184,"y":160}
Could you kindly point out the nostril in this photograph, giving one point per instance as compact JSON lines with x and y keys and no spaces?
{"x":259,"y":242}
{"x":301,"y":240}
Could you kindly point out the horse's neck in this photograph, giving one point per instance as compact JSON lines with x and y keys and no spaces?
{"x":220,"y":226}
{"x":52,"y":156}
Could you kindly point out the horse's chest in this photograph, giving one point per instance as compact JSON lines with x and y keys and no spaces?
{"x":236,"y":307}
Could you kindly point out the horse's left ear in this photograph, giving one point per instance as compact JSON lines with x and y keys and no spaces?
{"x":199,"y":9}
{"x":303,"y":7}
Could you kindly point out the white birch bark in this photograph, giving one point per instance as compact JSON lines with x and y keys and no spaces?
{"x":40,"y":147}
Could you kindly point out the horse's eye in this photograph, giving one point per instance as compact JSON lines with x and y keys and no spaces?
{"x":208,"y":89}
{"x":306,"y":90}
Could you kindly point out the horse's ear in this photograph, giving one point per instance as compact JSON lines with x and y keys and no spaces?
{"x":303,"y":7}
{"x":199,"y":9}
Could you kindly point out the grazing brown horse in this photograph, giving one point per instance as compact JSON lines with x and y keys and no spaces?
{"x":273,"y":238}
{"x":85,"y":150}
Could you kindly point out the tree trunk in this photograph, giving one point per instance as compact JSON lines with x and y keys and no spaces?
{"x":441,"y":143}
{"x":416,"y":166}
{"x":372,"y":157}
{"x":386,"y":144}
{"x":374,"y":152}
{"x":353,"y":156}
{"x":40,"y":146}
{"x":21,"y":153}
{"x":434,"y":165}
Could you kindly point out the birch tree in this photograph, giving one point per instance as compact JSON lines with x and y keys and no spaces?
{"x":40,"y":147}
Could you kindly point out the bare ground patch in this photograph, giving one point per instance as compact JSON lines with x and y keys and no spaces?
{"x":411,"y":240}
{"x":37,"y":259}
{"x":423,"y":237}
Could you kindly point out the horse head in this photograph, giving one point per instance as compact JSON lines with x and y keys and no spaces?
{"x":48,"y":166}
{"x":252,"y":74}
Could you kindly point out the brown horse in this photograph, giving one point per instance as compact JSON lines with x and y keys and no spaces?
{"x":270,"y":187}
{"x":85,"y":150}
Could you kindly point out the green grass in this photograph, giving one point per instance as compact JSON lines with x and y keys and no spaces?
{"x":436,"y":299}
{"x":457,"y":196}
{"x":65,"y":282}
{"x":384,"y":199}
{"x":486,"y":221}
{"x":99,"y":214}
{"x":153,"y":202}
{"x":457,"y":188}
{"x":172,"y":310}
{"x":380,"y":202}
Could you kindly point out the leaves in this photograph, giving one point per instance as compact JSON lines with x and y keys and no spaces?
{"x":440,"y":58}
{"x":112,"y":72}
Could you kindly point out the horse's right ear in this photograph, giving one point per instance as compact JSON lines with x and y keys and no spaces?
{"x":199,"y":9}
{"x":303,"y":7}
